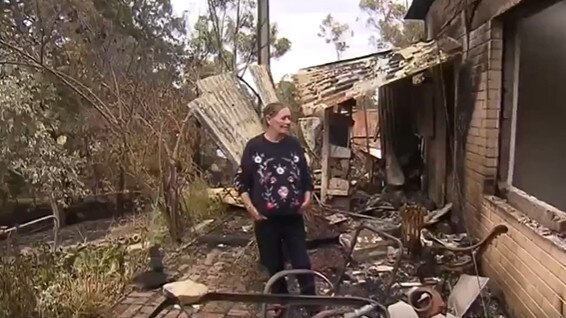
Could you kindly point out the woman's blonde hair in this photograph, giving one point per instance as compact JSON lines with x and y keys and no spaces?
{"x":271,"y":110}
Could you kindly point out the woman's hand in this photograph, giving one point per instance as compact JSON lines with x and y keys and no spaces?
{"x":304,"y":210}
{"x":307,"y":200}
{"x":255,"y":215}
{"x":252,"y":211}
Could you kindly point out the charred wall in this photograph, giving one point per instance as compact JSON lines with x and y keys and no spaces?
{"x":416,"y":129}
{"x":528,"y":267}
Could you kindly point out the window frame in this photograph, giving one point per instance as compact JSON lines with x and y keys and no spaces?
{"x":546,"y":214}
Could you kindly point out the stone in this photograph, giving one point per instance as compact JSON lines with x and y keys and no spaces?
{"x":187,"y":292}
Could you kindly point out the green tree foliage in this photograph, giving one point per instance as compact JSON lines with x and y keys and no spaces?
{"x":386,"y":17}
{"x":32,"y":147}
{"x":226,"y":35}
{"x":120,"y":74}
{"x":335,"y":33}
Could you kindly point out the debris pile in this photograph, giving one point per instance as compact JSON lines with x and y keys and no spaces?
{"x":436,"y":277}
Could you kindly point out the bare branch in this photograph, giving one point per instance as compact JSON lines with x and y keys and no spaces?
{"x":181,"y":133}
{"x":236,"y":33}
{"x":217,"y":32}
{"x":97,"y":103}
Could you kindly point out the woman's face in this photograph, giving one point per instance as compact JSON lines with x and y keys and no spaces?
{"x":281,"y":121}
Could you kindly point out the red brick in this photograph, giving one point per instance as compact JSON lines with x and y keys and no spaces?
{"x":209,"y":315}
{"x":514,"y":301}
{"x":490,"y":123}
{"x":131,"y":311}
{"x":238,"y":313}
{"x":529,"y":259}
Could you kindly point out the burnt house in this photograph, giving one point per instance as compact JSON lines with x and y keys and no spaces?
{"x":493,"y":118}
{"x":327,"y":92}
{"x":334,"y":91}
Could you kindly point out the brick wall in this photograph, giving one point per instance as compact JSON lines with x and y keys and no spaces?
{"x":485,"y":54}
{"x":528,"y":268}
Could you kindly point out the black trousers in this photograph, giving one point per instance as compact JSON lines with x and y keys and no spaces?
{"x":280,"y":234}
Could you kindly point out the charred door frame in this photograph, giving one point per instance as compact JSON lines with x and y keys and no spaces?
{"x":433,"y":103}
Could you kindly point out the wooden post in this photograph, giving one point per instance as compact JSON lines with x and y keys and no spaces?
{"x":263,"y":39}
{"x":325,"y":155}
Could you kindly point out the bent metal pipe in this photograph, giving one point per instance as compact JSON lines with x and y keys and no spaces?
{"x":286,"y":299}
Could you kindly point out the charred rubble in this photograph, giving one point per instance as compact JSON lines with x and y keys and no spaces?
{"x":397,"y":247}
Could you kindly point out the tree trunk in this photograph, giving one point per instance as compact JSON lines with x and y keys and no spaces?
{"x":121,"y":195}
{"x":59,"y":219}
{"x":172,"y":201}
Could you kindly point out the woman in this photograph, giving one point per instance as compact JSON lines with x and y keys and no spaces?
{"x":276,"y":187}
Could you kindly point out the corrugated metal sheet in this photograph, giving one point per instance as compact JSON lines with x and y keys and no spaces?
{"x":212,"y":83}
{"x":226,"y":109}
{"x":361,"y":139}
{"x":333,"y":83}
{"x":359,"y":128}
{"x":264,"y":84}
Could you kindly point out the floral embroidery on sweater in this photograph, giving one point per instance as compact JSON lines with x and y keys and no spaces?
{"x":275,"y":175}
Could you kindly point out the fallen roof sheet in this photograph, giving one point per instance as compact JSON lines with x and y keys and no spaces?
{"x":264,"y":84}
{"x":227,"y":110}
{"x":334,"y":83}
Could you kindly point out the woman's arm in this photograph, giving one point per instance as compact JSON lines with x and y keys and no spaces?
{"x":243,"y":182}
{"x":244,"y":179}
{"x":306,"y":178}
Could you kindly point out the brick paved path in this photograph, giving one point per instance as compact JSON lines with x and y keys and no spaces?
{"x":220,"y":268}
{"x":225,"y":269}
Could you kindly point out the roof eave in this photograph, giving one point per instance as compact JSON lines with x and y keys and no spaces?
{"x":418,"y":9}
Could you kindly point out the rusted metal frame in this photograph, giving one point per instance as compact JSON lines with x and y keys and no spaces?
{"x":412,"y":221}
{"x":56,"y":227}
{"x":285,"y":273}
{"x":286,"y":299}
{"x":331,"y":313}
{"x":361,"y":312}
{"x":475,"y":250}
{"x":282,"y":299}
{"x":383,"y":234}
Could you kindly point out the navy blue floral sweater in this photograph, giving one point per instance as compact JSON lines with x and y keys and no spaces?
{"x":275,"y":174}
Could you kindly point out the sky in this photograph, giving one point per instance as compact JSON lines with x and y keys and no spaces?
{"x":299,"y":20}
